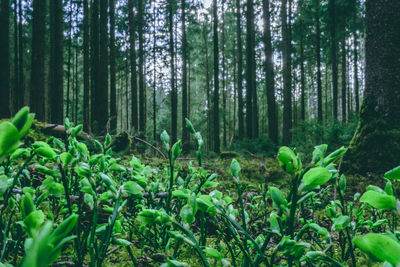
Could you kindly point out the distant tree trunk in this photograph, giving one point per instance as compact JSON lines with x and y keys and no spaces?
{"x":56,"y":69}
{"x":94,"y":27}
{"x":216,"y":78}
{"x":287,"y":92}
{"x":269,"y":75}
{"x":154,"y":76}
{"x":37,"y":99}
{"x":302,"y":80}
{"x":113,"y":85}
{"x":15,"y":97}
{"x":251,"y":92}
{"x":375,"y":147}
{"x":185,"y":133}
{"x":76,"y":88}
{"x":318,"y":56}
{"x":142,"y":93}
{"x":132,"y":49}
{"x":240,"y":70}
{"x":69,"y":58}
{"x":5,"y":58}
{"x":209,"y":138}
{"x":21,"y":76}
{"x":101,"y":96}
{"x":86,"y":97}
{"x":356,"y":81}
{"x":344,"y":77}
{"x":224,"y":111}
{"x":174,"y":94}
{"x":326,"y":92}
{"x":333,"y":41}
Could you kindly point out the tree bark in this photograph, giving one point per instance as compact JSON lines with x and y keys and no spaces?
{"x":375,"y":147}
{"x":174,"y":94}
{"x":318,"y":57}
{"x":142,"y":87}
{"x":344,"y":77}
{"x":132,"y":49}
{"x":94,"y":28}
{"x":185,"y":133}
{"x":286,"y":68}
{"x":240,"y":70}
{"x":216,"y":79}
{"x":332,"y":32}
{"x":113,"y":85}
{"x":86,"y":88}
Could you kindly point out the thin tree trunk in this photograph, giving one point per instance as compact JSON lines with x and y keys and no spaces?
{"x":287,"y":93}
{"x":94,"y":28}
{"x":142,"y":98}
{"x":333,"y":41}
{"x":15,"y":97}
{"x":185,"y":133}
{"x":344,"y":86}
{"x":154,"y":76}
{"x":318,"y":56}
{"x":132,"y":49}
{"x":69,"y":60}
{"x":209,"y":138}
{"x":21,"y":76}
{"x":223,"y":79}
{"x":113,"y":89}
{"x":174,"y":96}
{"x":216,"y":78}
{"x":5,"y":57}
{"x":240,"y":70}
{"x":86,"y":88}
{"x":356,"y":81}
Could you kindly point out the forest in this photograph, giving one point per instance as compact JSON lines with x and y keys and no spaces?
{"x":199,"y":133}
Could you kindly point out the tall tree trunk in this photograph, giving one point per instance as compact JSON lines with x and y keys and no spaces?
{"x":344,"y":77}
{"x":356,"y":81}
{"x":286,"y":66}
{"x":86,"y":88}
{"x":333,"y":41}
{"x":21,"y":76}
{"x":224,"y":111}
{"x":142,"y":94}
{"x":94,"y":27}
{"x":209,"y":137}
{"x":14,"y":96}
{"x":302,"y":79}
{"x":132,"y":49}
{"x":216,"y":79}
{"x":56,"y":68}
{"x":240,"y":70}
{"x":269,"y":75}
{"x":113,"y":85}
{"x":154,"y":75}
{"x":375,"y":147}
{"x":174,"y":95}
{"x":37,"y":99}
{"x":185,"y":133}
{"x":5,"y":58}
{"x":318,"y":56}
{"x":69,"y":59}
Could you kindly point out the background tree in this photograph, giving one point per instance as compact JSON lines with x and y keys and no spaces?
{"x":5,"y":58}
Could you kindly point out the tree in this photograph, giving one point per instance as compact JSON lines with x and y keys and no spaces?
{"x":132,"y":54}
{"x":287,"y":78}
{"x":251,"y":92}
{"x":5,"y":58}
{"x":269,"y":75}
{"x":56,"y":69}
{"x":344,"y":84}
{"x":174,"y":94}
{"x":375,"y":146}
{"x":113,"y":81}
{"x":142,"y":93}
{"x":185,"y":133}
{"x":239,"y":56}
{"x":333,"y":41}
{"x":94,"y":54}
{"x":216,"y":79}
{"x":37,"y":100}
{"x":86,"y":88}
{"x":318,"y":57}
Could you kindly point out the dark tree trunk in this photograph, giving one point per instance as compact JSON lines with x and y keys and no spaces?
{"x":216,"y":79}
{"x":333,"y":41}
{"x":56,"y":69}
{"x":287,"y":79}
{"x":142,"y":93}
{"x":154,"y":76}
{"x":21,"y":76}
{"x":14,"y":94}
{"x":113,"y":85}
{"x":318,"y":56}
{"x":344,"y":77}
{"x":86,"y":97}
{"x":302,"y":80}
{"x":37,"y":100}
{"x":375,"y":147}
{"x":356,"y":82}
{"x":269,"y":75}
{"x":5,"y":58}
{"x":94,"y":27}
{"x":209,"y":137}
{"x":185,"y":133}
{"x":69,"y":59}
{"x":174,"y":94}
{"x":132,"y":48}
{"x":224,"y":110}
{"x":240,"y":70}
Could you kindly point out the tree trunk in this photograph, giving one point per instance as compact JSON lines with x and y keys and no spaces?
{"x":132,"y":50}
{"x":185,"y":133}
{"x":37,"y":100}
{"x":94,"y":27}
{"x":14,"y":95}
{"x":356,"y":82}
{"x":174,"y":94}
{"x":332,"y":32}
{"x":302,"y":80}
{"x":209,"y":138}
{"x":344,"y":77}
{"x":5,"y":58}
{"x":286,"y":66}
{"x":318,"y":56}
{"x":113,"y":85}
{"x":69,"y":59}
{"x":224,"y":110}
{"x":216,"y":79}
{"x":269,"y":75}
{"x":21,"y":76}
{"x":56,"y":69}
{"x":142,"y":94}
{"x":86,"y":96}
{"x":240,"y":70}
{"x":375,"y":147}
{"x":154,"y":75}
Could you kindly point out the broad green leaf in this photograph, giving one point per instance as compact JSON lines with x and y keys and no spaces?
{"x":315,"y":177}
{"x":214,"y":253}
{"x":165,"y":139}
{"x":341,"y":222}
{"x":176,"y":150}
{"x":189,"y":126}
{"x":379,"y":247}
{"x":235,"y":168}
{"x":33,"y":222}
{"x":20,"y":118}
{"x":63,"y":229}
{"x":76,"y":131}
{"x":46,"y":152}
{"x":187,"y":214}
{"x":337,"y":154}
{"x":288,"y":159}
{"x":277,"y":196}
{"x":319,"y":153}
{"x":133,"y":189}
{"x":378,"y":200}
{"x":66,"y":158}
{"x":8,"y":138}
{"x":393,"y":174}
{"x":3,"y":184}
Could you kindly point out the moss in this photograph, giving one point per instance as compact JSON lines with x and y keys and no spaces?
{"x":228,"y":155}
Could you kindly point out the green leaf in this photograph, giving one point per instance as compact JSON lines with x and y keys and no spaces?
{"x":122,"y":242}
{"x":133,"y":189}
{"x":393,"y":174}
{"x":189,"y":126}
{"x":315,"y":177}
{"x":274,"y":223}
{"x":46,"y":152}
{"x":176,"y":150}
{"x":287,"y":159}
{"x":20,"y":118}
{"x":319,"y":153}
{"x":277,"y":196}
{"x":341,"y":222}
{"x":63,"y":229}
{"x":214,"y":253}
{"x":27,"y":125}
{"x":27,"y":205}
{"x":33,"y":222}
{"x":235,"y":168}
{"x":8,"y":138}
{"x":76,"y":131}
{"x":378,"y":200}
{"x":3,"y":184}
{"x":165,"y":139}
{"x":337,"y":154}
{"x":66,"y":158}
{"x":187,"y":214}
{"x":19,"y":153}
{"x":379,"y":247}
